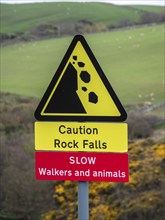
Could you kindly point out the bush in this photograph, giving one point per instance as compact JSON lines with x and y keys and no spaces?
{"x":152,"y":17}
{"x":141,"y":126}
{"x":22,"y":196}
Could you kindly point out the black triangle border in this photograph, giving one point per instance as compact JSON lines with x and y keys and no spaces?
{"x":77,"y":118}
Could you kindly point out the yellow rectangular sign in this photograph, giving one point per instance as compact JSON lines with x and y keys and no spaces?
{"x":77,"y":136}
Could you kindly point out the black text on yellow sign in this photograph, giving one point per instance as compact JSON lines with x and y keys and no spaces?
{"x":76,"y":136}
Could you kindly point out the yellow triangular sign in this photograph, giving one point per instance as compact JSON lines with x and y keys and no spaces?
{"x":79,"y":91}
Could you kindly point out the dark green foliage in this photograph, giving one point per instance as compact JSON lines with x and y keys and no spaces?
{"x":21,"y":195}
{"x":152,"y":17}
{"x":141,"y":125}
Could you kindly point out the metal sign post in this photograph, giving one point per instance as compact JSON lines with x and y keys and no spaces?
{"x":83,"y":201}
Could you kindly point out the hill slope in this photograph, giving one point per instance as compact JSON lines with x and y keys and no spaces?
{"x":26,"y":17}
{"x":27,"y":22}
{"x":132,"y":60}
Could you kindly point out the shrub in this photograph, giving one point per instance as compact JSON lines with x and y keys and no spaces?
{"x":151,"y":17}
{"x":141,"y":126}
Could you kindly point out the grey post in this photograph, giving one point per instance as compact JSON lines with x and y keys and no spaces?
{"x":83,"y":201}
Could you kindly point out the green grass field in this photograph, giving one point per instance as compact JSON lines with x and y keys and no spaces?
{"x":25,"y":17}
{"x":149,"y":8}
{"x":132,"y":60}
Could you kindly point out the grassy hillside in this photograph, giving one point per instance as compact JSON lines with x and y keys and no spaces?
{"x":149,"y":8}
{"x":133,"y":61}
{"x":25,"y":17}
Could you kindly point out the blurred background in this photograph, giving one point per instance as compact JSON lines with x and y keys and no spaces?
{"x":127,"y":39}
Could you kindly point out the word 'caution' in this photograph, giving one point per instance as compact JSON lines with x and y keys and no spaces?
{"x":72,"y":136}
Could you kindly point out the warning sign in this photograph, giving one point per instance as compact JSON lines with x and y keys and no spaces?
{"x":82,"y":166}
{"x":79,"y":136}
{"x":80,"y":91}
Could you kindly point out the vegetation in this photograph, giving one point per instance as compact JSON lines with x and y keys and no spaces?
{"x":149,"y":8}
{"x":22,"y":197}
{"x":56,"y":19}
{"x":141,"y":125}
{"x":15,"y":19}
{"x":141,"y":198}
{"x":131,"y":59}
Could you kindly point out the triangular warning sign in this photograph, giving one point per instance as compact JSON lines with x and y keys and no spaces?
{"x":79,"y":91}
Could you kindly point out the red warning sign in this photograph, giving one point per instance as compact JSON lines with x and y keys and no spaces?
{"x":82,"y":166}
